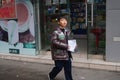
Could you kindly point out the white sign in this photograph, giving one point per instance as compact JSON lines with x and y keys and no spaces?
{"x":116,"y":38}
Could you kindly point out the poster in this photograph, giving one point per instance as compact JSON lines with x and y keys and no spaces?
{"x":18,"y":35}
{"x":7,"y":9}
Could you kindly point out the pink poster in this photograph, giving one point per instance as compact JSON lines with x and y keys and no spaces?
{"x":18,"y":35}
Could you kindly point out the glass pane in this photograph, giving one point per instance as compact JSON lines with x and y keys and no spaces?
{"x":96,"y":33}
{"x":78,"y":26}
{"x":53,"y":9}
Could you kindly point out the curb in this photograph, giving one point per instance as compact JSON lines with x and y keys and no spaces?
{"x":84,"y":63}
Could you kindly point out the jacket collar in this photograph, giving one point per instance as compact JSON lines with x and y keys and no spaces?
{"x":59,"y":29}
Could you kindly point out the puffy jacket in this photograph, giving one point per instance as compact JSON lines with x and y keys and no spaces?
{"x":59,"y":45}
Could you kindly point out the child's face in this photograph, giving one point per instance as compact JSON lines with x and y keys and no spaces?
{"x":62,"y":22}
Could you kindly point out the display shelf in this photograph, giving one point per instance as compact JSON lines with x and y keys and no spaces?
{"x":78,"y":12}
{"x":58,"y":14}
{"x":99,"y":14}
{"x":55,"y":9}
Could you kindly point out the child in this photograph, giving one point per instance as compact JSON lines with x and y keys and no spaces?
{"x":59,"y":50}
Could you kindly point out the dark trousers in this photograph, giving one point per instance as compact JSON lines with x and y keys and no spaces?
{"x":59,"y":64}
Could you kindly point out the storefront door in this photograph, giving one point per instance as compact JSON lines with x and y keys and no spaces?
{"x":88,"y":27}
{"x":96,"y":24}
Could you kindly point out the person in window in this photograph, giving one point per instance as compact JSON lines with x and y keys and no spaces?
{"x":59,"y":51}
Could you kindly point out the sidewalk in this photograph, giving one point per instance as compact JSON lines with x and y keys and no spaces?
{"x":21,"y":70}
{"x":45,"y":58}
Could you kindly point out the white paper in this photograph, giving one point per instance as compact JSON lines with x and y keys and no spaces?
{"x":72,"y":45}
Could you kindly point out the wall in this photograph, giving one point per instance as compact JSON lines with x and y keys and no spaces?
{"x":113,"y":31}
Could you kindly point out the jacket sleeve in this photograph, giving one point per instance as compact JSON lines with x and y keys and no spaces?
{"x":57,"y":43}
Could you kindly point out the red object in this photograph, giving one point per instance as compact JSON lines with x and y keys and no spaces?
{"x":97,"y":32}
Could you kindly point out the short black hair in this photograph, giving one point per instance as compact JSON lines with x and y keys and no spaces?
{"x":61,"y":17}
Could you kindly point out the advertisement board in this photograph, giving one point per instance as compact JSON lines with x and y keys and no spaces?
{"x":17,"y":35}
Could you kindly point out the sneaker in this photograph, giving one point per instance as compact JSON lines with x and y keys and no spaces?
{"x":49,"y":77}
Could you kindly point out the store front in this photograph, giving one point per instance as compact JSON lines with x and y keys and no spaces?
{"x":32,"y":30}
{"x":86,"y":20}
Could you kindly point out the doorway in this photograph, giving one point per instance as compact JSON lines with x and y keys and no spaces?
{"x":88,"y":21}
{"x":96,"y":22}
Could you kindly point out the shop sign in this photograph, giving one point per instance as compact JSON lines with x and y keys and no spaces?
{"x":7,"y":9}
{"x":14,"y":51}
